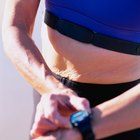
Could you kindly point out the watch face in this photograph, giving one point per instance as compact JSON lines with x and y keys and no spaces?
{"x":82,"y":121}
{"x":78,"y":117}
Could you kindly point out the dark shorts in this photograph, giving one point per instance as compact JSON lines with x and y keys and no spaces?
{"x":99,"y":93}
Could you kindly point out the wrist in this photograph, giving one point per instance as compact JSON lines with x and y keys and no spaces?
{"x":57,"y":87}
{"x":78,"y":134}
{"x":97,"y":125}
{"x":94,"y":113}
{"x":53,"y":83}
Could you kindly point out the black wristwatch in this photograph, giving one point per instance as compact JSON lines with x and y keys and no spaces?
{"x":82,"y":121}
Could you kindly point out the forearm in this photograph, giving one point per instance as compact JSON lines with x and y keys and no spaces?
{"x":117,"y":115}
{"x":24,"y":54}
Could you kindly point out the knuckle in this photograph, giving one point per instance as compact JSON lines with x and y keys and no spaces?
{"x":38,"y":107}
{"x":52,"y":115}
{"x":37,"y":121}
{"x":32,"y":134}
{"x":52,"y":96}
{"x":85,"y":102}
{"x":33,"y":131}
{"x":49,"y":115}
{"x":38,"y":116}
{"x":36,"y":129}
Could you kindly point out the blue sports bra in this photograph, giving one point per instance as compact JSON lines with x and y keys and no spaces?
{"x":117,"y":18}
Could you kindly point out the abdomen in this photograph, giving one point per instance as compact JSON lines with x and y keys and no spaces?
{"x":87,"y":63}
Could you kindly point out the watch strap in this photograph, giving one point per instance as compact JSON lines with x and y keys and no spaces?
{"x":88,"y":134}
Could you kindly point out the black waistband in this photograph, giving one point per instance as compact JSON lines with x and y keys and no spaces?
{"x":97,"y":93}
{"x":85,"y":35}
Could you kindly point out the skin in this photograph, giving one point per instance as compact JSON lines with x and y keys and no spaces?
{"x":62,"y":55}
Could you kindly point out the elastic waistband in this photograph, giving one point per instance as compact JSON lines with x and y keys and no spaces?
{"x":71,"y":83}
{"x":97,"y":93}
{"x":85,"y":35}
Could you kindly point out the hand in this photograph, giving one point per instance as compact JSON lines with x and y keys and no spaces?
{"x":54,"y":110}
{"x":62,"y":134}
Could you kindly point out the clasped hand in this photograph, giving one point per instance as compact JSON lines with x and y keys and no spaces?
{"x":53,"y":113}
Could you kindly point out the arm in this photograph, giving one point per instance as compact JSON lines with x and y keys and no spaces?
{"x":17,"y":30}
{"x":111,"y":117}
{"x":118,"y":115}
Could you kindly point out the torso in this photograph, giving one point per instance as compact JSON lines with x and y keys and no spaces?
{"x":87,"y":63}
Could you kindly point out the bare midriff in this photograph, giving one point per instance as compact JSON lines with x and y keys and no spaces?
{"x":85,"y":62}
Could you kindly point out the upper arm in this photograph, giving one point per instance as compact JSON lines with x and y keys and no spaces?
{"x":20,"y":13}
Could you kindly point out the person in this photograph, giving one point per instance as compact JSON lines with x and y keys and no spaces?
{"x":89,"y":64}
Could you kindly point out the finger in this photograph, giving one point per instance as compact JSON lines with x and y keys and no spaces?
{"x":63,"y":103}
{"x":80,"y":103}
{"x":41,"y":127}
{"x":53,"y":114}
{"x":61,"y":121}
{"x":66,"y":109}
{"x":57,"y":118}
{"x":45,"y":138}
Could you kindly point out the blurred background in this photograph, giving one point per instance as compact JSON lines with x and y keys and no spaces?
{"x":16,"y":103}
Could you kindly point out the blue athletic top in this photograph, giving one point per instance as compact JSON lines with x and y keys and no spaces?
{"x":116,"y":18}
